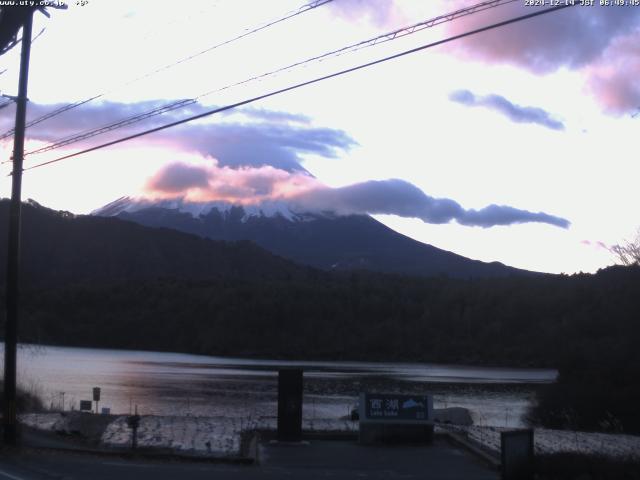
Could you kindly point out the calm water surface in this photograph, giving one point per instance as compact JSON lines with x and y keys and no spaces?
{"x":181,"y":384}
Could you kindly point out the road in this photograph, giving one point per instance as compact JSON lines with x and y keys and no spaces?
{"x":313,"y":460}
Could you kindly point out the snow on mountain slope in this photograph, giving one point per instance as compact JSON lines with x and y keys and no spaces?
{"x":197,"y":209}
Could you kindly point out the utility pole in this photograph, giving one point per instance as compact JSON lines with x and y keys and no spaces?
{"x":13,"y":255}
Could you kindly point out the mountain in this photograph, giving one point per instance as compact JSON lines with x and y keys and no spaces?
{"x":104,"y":282}
{"x":62,"y":248}
{"x":322,"y":240}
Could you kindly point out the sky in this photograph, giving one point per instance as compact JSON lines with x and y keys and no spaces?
{"x":514,"y":145}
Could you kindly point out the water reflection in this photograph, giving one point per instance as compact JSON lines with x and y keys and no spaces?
{"x":173,"y":383}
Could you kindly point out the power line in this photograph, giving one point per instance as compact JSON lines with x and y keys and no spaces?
{"x":32,"y":42}
{"x":375,"y":40}
{"x":308,"y":82}
{"x":70,"y":106}
{"x":386,"y":37}
{"x":287,"y":16}
{"x":292,"y":13}
{"x":107,"y":128}
{"x":9,"y":101}
{"x":349,"y":48}
{"x":154,"y":31}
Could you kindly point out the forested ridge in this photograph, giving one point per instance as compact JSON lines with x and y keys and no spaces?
{"x":358,"y":315}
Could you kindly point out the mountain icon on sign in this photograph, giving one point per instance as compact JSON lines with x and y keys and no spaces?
{"x":411,"y":403}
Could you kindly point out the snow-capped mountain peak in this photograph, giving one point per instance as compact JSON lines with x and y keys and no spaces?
{"x":198,"y":209}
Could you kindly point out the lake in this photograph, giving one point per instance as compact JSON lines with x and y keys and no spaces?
{"x":181,"y":384}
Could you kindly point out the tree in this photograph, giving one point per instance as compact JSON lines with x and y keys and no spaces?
{"x":628,"y":253}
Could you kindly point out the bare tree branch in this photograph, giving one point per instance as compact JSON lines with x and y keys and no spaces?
{"x":628,"y":252}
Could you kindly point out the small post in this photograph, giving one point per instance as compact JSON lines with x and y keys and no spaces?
{"x":290,"y":405}
{"x":133,"y":422}
{"x":517,"y":454}
{"x":134,"y":437}
{"x":96,"y":397}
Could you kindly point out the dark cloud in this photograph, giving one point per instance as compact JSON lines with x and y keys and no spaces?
{"x":494,"y":215}
{"x":258,"y":183}
{"x":514,"y":112}
{"x":278,"y":139}
{"x":398,"y":197}
{"x":178,"y":177}
{"x":253,"y":145}
{"x":270,"y":115}
{"x":93,"y":115}
{"x":575,"y":38}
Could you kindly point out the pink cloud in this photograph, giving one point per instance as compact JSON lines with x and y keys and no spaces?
{"x":615,"y":78}
{"x":212,"y":182}
{"x":596,"y":244}
{"x":600,"y":42}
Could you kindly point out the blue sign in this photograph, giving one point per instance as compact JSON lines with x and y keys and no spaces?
{"x":390,"y":407}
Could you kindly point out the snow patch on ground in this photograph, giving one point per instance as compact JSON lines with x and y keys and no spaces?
{"x":211,"y":436}
{"x":51,"y":422}
{"x":204,"y":435}
{"x":559,"y":441}
{"x":221,"y":436}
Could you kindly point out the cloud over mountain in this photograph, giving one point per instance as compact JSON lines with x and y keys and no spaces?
{"x":398,"y":197}
{"x":211,"y":181}
{"x":247,"y":186}
{"x":253,"y":161}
